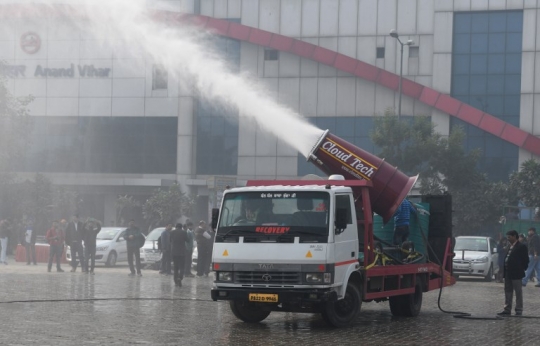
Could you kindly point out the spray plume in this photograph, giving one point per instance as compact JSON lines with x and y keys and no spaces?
{"x":176,"y":45}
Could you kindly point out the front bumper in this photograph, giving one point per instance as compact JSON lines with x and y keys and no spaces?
{"x":471,"y":268}
{"x":285,"y":296}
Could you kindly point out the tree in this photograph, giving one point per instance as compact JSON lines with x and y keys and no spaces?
{"x":526,"y":183}
{"x":124,"y":207}
{"x":166,"y":205}
{"x":414,"y":147}
{"x":15,"y":126}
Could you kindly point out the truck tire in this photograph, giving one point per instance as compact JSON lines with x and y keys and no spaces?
{"x":342,"y":313}
{"x":408,"y":305}
{"x":489,"y":275}
{"x":248,"y":312}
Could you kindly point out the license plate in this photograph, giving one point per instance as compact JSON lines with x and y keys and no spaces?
{"x":154,"y":257}
{"x":263,"y":298}
{"x":462,"y":267}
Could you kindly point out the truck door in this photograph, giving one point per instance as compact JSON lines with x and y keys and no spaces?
{"x":345,"y":243}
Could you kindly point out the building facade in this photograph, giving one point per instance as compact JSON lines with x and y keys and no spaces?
{"x":110,"y":124}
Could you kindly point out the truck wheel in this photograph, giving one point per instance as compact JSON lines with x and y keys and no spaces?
{"x":342,"y":313}
{"x":248,"y":312}
{"x":408,"y":305}
{"x":489,"y":275}
{"x":111,"y":260}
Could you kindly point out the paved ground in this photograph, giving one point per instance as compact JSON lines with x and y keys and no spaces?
{"x":40,"y":308}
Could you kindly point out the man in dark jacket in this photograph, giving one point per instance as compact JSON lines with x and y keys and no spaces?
{"x":74,"y":237}
{"x":90,"y":231}
{"x":178,"y":252}
{"x":515,"y":264}
{"x":133,"y":238}
{"x":165,"y":241}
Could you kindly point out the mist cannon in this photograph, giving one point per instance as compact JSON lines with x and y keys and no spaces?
{"x":333,"y":155}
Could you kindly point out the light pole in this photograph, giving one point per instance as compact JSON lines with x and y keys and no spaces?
{"x":395,"y":35}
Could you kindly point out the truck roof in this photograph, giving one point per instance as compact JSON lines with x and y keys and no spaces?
{"x":305,"y":185}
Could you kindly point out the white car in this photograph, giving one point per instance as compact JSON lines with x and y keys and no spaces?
{"x":110,"y":246}
{"x":150,"y":253}
{"x":475,"y":256}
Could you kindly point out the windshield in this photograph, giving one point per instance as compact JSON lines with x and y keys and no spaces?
{"x":275,"y":212}
{"x":471,"y":244}
{"x":107,"y":234}
{"x":155,"y":234}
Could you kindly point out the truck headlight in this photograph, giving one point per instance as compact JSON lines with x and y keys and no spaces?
{"x":102,"y":248}
{"x":224,"y":276}
{"x":481,"y":260}
{"x":319,"y":278}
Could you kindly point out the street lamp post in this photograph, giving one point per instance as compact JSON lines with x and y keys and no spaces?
{"x":395,"y":35}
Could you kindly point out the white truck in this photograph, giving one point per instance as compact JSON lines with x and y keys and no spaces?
{"x":308,"y":246}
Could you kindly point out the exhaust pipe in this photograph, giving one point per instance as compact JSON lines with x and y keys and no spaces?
{"x":333,"y":155}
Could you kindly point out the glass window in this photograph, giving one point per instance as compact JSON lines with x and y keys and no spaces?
{"x":160,"y":77}
{"x":462,"y":23}
{"x":478,"y":84}
{"x":344,"y":202}
{"x":461,"y":64}
{"x":496,"y":63}
{"x":414,"y":52}
{"x":513,"y":42}
{"x":512,"y":105}
{"x":271,"y":54}
{"x":380,"y":53}
{"x":512,"y":84}
{"x":103,"y":145}
{"x":497,"y":43}
{"x":495,"y":105}
{"x":462,"y":43}
{"x":513,"y":63}
{"x":345,"y":126}
{"x":480,"y":22}
{"x":497,"y":22}
{"x":495,"y":84}
{"x":479,"y":64}
{"x":217,"y":127}
{"x":460,"y":85}
{"x":479,"y":43}
{"x":515,"y":21}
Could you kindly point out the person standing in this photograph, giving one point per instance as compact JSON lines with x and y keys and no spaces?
{"x":204,"y":247}
{"x":133,"y":238}
{"x":515,"y":264}
{"x":30,"y":243}
{"x":402,"y":219}
{"x":533,"y":245}
{"x":90,"y":231}
{"x":178,"y":242}
{"x":74,"y":236}
{"x":165,"y":241}
{"x":55,"y":238}
{"x":501,"y":252}
{"x":189,"y":249}
{"x":4,"y":236}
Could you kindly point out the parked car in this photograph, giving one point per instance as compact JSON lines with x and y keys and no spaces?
{"x":150,"y":254}
{"x":110,"y":246}
{"x":475,"y":256}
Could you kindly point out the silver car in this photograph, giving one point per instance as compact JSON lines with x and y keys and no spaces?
{"x":475,"y":256}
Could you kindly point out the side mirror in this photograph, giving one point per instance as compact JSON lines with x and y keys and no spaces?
{"x":341,"y":220}
{"x":215,"y":217}
{"x":494,"y":250}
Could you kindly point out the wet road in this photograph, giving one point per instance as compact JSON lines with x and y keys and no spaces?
{"x":40,"y":308}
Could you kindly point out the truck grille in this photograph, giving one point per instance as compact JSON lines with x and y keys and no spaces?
{"x":267,"y":278}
